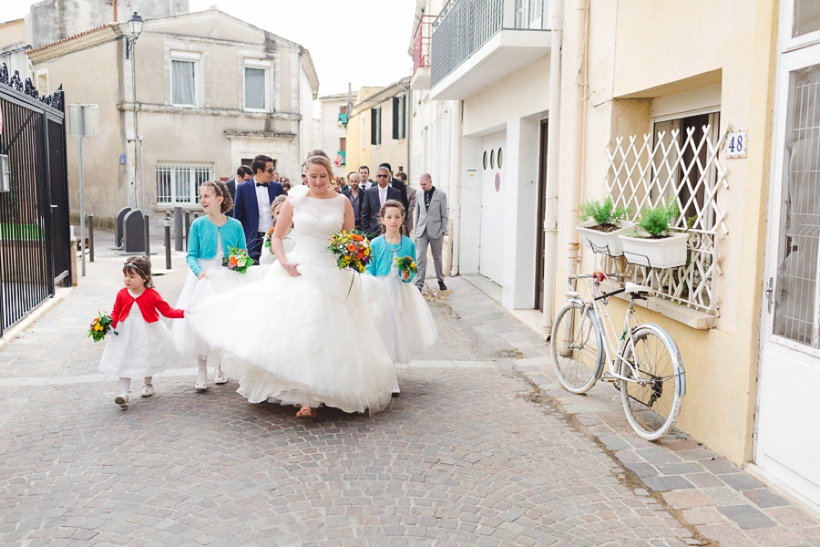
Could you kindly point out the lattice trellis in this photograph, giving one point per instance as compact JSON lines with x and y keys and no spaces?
{"x":688,"y":169}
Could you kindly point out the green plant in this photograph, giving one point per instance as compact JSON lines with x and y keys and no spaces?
{"x":656,"y":220}
{"x":604,"y":214}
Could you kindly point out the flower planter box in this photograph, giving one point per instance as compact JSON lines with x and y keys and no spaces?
{"x":668,"y":252}
{"x":605,"y":242}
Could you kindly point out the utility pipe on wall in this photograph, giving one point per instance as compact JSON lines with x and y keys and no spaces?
{"x":556,"y":26}
{"x":455,"y":178}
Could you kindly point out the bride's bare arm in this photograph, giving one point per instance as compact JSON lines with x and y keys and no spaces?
{"x":277,"y":241}
{"x":350,"y":219}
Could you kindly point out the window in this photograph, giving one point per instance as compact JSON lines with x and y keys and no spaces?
{"x":399,"y":117}
{"x":376,"y":125}
{"x":343,"y":144}
{"x":256,"y":85}
{"x":364,"y":131}
{"x":806,"y":17}
{"x":179,"y":184}
{"x":184,"y":80}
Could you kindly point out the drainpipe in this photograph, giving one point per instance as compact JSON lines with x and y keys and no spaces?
{"x":409,"y":119}
{"x":455,"y":183}
{"x":573,"y":256}
{"x":556,"y":26}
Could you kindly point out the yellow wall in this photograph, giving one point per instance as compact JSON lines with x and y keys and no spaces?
{"x":639,"y":50}
{"x":392,"y":151}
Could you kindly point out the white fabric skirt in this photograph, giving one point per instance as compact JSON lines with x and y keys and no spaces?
{"x":140,"y":349}
{"x":409,"y":328}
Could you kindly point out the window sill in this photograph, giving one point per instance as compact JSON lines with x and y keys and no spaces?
{"x":691,"y":318}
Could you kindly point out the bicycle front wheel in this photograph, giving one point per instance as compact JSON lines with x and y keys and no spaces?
{"x":656,"y":382}
{"x":577,"y":347}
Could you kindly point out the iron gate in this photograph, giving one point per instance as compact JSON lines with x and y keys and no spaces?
{"x":35,"y":255}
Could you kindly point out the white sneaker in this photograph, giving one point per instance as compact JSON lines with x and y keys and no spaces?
{"x":147,"y":390}
{"x":200,"y":387}
{"x":220,"y":379}
{"x":122,"y":400}
{"x":396,"y":391}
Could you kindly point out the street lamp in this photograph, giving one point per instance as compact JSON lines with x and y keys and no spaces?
{"x":136,"y":29}
{"x":135,"y":23}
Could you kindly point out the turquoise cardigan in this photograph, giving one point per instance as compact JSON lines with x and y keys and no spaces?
{"x":202,"y":240}
{"x":381,"y":259}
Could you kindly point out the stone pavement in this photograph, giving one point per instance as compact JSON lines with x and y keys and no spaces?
{"x":472,"y":453}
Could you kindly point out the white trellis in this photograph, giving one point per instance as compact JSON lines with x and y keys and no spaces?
{"x":648,"y":174}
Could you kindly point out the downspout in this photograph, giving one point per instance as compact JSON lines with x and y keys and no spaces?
{"x":573,"y":248}
{"x":455,"y":183}
{"x":556,"y":26}
{"x":409,"y":119}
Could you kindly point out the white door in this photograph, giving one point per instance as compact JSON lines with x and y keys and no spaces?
{"x":492,"y":208}
{"x":788,"y":419}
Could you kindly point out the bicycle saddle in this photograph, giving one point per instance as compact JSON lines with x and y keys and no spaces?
{"x":632,"y":288}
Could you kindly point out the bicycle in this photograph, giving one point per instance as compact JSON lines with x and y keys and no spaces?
{"x":645,"y":366}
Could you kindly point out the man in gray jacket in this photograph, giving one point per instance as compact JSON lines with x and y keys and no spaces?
{"x":431,"y":227}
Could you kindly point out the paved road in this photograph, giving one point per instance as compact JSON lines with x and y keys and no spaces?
{"x":472,"y":453}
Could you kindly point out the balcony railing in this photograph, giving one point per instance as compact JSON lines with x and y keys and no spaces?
{"x":463,"y":26}
{"x":421,"y":43}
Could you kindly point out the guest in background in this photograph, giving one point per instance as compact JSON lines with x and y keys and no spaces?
{"x":398,"y":185}
{"x":275,"y":177}
{"x":243,"y":174}
{"x":431,"y":227}
{"x":267,"y":251}
{"x":364,"y":177}
{"x":374,"y":199}
{"x":304,"y":179}
{"x":253,"y":201}
{"x":285,"y":182}
{"x":411,"y":200}
{"x":354,"y":193}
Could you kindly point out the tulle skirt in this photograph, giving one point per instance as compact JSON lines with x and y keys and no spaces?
{"x":409,"y":328}
{"x":140,"y":349}
{"x":310,"y":339}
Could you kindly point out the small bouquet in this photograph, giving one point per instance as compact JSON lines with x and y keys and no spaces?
{"x":100,"y":326}
{"x":352,"y":250}
{"x":268,"y":238}
{"x":237,"y":260}
{"x":406,"y":264}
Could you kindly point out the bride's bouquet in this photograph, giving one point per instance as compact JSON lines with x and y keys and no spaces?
{"x":352,"y":250}
{"x":237,"y":260}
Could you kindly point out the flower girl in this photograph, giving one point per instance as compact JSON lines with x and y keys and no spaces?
{"x":142,"y":345}
{"x":410,"y":328}
{"x":268,"y":257}
{"x":210,"y":239}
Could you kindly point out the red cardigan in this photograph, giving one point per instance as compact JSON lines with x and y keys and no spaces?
{"x":149,"y":303}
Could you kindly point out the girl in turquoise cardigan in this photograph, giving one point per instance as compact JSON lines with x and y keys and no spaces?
{"x":410,"y":329}
{"x":210,"y":238}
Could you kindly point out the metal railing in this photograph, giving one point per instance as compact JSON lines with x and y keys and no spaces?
{"x":421,"y":43}
{"x":35,"y":255}
{"x":463,"y":26}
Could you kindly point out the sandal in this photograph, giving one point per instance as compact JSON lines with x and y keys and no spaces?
{"x":306,"y":412}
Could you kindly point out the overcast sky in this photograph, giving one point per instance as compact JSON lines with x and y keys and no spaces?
{"x":361,"y":41}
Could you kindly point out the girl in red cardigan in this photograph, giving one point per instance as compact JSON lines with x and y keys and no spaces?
{"x":143,"y":345}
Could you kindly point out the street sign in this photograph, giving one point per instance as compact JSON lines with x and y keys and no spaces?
{"x":82,"y":120}
{"x":736,"y":143}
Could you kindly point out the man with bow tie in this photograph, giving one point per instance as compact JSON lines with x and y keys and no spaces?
{"x":252,"y":205}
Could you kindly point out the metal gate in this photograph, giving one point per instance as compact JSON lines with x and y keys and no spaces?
{"x":35,"y":255}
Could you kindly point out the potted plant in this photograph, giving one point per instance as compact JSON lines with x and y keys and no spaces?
{"x":602,"y":225}
{"x":654,"y":245}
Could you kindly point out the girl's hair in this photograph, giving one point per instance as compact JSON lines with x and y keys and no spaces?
{"x":283,"y":180}
{"x":392,"y":204}
{"x":279,"y":200}
{"x":141,"y":266}
{"x":220,"y":190}
{"x":317,"y":157}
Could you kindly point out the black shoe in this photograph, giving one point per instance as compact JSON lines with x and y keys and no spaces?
{"x":442,"y":286}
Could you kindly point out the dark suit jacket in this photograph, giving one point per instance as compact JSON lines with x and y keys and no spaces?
{"x":399,"y":185}
{"x":231,"y":184}
{"x":371,"y":207}
{"x":246,"y":207}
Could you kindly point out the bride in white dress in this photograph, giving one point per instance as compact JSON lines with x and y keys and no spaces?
{"x":305,"y":335}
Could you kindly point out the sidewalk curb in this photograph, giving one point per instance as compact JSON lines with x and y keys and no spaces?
{"x":15,"y":331}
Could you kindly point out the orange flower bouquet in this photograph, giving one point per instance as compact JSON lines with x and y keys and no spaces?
{"x":352,"y":250}
{"x":100,"y":326}
{"x":237,"y":260}
{"x":268,"y":238}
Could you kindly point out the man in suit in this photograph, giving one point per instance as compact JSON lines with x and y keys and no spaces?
{"x":431,"y":227}
{"x":243,"y":174}
{"x":354,"y":193}
{"x":398,"y":185}
{"x":364,"y":177}
{"x":252,"y":205}
{"x":374,"y":198}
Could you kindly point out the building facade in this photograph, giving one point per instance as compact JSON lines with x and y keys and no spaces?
{"x":333,"y":138}
{"x":206,"y":93}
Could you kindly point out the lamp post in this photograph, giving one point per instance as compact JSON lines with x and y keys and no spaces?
{"x":135,"y":24}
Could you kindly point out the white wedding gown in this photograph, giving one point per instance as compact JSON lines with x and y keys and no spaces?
{"x":310,"y":339}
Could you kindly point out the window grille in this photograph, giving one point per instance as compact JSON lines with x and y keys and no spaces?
{"x":179,"y":184}
{"x":683,"y":165}
{"x":183,"y":83}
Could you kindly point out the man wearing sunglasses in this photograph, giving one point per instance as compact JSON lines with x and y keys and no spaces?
{"x":252,"y":206}
{"x":374,"y":198}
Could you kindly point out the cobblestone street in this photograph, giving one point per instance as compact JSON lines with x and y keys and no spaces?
{"x":481,"y":448}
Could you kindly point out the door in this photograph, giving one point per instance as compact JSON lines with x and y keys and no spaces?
{"x":491,"y":257}
{"x":541,"y":235}
{"x":787,"y":432}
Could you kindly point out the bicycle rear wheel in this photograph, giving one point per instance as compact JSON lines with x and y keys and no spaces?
{"x":652,"y":395}
{"x":577,"y":347}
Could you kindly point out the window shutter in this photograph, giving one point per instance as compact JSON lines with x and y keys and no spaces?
{"x":373,"y":126}
{"x":396,"y":128}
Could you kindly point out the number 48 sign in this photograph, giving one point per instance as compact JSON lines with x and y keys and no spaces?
{"x":736,"y":143}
